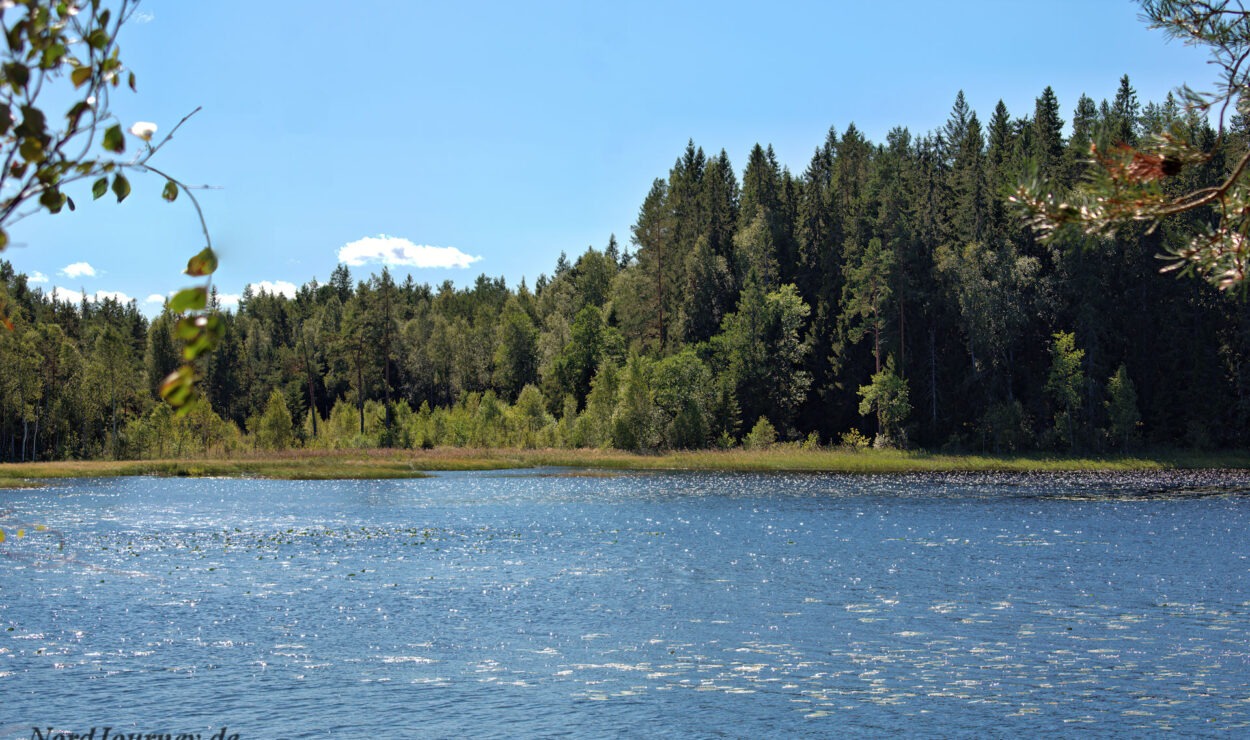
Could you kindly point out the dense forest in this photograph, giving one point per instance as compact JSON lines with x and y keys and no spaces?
{"x":886,"y":293}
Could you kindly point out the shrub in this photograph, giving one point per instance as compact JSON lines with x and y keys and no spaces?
{"x":855,"y":440}
{"x":762,"y":435}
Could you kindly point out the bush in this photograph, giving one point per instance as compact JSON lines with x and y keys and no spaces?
{"x":855,"y":440}
{"x":762,"y":435}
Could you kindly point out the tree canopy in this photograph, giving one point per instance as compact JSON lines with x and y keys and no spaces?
{"x":885,"y":292}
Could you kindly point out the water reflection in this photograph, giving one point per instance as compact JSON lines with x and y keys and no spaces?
{"x":741,"y":605}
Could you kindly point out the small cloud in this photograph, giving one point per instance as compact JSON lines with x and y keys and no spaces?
{"x":77,"y":270}
{"x":116,"y":295}
{"x":276,"y":287}
{"x":143,"y":16}
{"x":37,"y":277}
{"x":393,"y":250}
{"x":156,"y":298}
{"x":74,"y":296}
{"x":68,"y":296}
{"x":228,"y":300}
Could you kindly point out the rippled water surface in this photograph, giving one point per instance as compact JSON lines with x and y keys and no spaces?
{"x":540,"y":604}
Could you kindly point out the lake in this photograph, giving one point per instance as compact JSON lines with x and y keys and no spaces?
{"x":553,"y":603}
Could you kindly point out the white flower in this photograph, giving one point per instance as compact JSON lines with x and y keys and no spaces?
{"x":144,"y":130}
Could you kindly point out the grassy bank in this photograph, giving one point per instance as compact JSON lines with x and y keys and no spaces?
{"x":360,"y":464}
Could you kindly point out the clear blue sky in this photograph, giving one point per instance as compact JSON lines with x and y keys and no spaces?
{"x":513,"y":131}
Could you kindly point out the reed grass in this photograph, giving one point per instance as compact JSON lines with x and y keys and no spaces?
{"x":363,"y":464}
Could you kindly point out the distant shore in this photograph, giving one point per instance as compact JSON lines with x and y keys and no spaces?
{"x":384,"y":463}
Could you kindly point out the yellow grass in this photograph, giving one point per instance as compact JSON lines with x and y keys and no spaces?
{"x":357,"y":464}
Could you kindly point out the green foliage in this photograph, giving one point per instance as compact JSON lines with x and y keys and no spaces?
{"x":636,"y":421}
{"x":684,"y":395}
{"x":1123,"y":418}
{"x":887,"y":396}
{"x":1065,"y":384}
{"x":516,"y":354}
{"x":992,"y":288}
{"x":594,"y":427}
{"x":866,"y":294}
{"x":273,"y":430}
{"x":762,"y":435}
{"x":741,"y":302}
{"x":762,"y":348}
{"x":531,"y":417}
{"x":854,"y":440}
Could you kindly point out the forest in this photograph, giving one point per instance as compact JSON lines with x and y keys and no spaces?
{"x":886,"y":294}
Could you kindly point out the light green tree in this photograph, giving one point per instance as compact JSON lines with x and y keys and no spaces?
{"x":684,"y":394}
{"x":530,"y":412}
{"x":635,"y":422}
{"x":1065,"y":384}
{"x":888,"y":399}
{"x":274,"y":429}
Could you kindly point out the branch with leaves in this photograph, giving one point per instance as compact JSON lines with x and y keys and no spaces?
{"x":1127,"y":184}
{"x":50,"y":42}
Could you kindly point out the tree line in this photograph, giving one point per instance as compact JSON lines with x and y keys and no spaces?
{"x":886,"y":293}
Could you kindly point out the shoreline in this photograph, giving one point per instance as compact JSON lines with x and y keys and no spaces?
{"x":392,"y":463}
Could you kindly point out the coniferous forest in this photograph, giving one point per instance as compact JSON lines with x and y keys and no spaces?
{"x":885,"y":293}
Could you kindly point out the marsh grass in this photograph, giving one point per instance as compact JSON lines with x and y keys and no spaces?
{"x":364,"y":464}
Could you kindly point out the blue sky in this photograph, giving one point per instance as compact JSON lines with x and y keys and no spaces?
{"x":504,"y":133}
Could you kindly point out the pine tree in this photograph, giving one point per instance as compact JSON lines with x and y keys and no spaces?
{"x":1047,"y":135}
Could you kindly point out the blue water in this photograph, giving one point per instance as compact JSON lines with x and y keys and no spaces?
{"x":654,"y":605}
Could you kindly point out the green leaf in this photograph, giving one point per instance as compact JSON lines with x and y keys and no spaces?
{"x":187,"y":329}
{"x":31,"y":150}
{"x":80,"y":75}
{"x":52,"y":55}
{"x":121,"y":187}
{"x":114,"y":140}
{"x":188,"y":299}
{"x":17,"y":74}
{"x":6,"y":118}
{"x":100,"y":187}
{"x":170,"y":192}
{"x":98,"y":39}
{"x":204,"y":263}
{"x":131,"y":82}
{"x":178,"y":388}
{"x":52,"y":199}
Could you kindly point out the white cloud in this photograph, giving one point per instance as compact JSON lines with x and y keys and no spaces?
{"x":37,"y":277}
{"x":116,"y":295}
{"x":394,"y":250}
{"x":156,"y":298}
{"x":78,"y":269}
{"x":228,"y":300}
{"x":74,"y":296}
{"x":143,"y":16}
{"x":276,"y":287}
